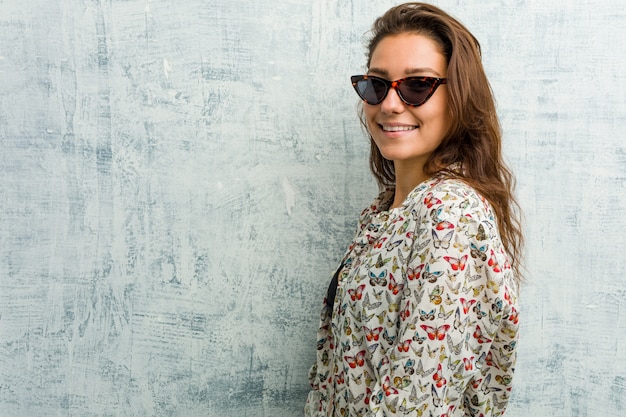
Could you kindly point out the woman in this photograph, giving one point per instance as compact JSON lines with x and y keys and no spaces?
{"x":421,"y":318}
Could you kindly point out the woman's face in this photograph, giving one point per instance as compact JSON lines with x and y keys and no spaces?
{"x":404,"y":134}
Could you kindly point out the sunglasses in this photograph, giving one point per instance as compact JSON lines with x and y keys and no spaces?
{"x":414,"y":91}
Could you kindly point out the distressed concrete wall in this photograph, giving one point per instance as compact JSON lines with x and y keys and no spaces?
{"x":178,"y":180}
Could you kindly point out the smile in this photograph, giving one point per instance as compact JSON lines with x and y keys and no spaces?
{"x":397,"y":128}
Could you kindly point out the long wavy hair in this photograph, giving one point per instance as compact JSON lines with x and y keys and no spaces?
{"x":473,"y":143}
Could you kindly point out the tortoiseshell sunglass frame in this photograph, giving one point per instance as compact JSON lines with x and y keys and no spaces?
{"x":431,"y":82}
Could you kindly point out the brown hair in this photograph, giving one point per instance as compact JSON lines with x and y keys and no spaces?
{"x":474,"y":141}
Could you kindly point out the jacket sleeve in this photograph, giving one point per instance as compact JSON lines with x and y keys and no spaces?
{"x":455,"y":345}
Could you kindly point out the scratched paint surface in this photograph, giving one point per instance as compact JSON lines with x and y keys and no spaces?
{"x":179,"y":180}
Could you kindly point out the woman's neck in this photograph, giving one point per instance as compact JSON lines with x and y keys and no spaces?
{"x":407,"y":178}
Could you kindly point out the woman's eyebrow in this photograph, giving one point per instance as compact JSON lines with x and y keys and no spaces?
{"x":412,"y":71}
{"x":408,"y":71}
{"x":378,"y":71}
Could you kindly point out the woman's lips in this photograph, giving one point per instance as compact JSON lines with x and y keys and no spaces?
{"x":397,"y":128}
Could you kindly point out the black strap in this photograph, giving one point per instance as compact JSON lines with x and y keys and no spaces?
{"x":332,"y":288}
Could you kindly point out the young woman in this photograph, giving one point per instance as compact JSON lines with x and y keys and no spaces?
{"x":421,"y":317}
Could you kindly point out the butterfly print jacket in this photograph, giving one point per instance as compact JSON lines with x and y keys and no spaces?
{"x":425,"y":316}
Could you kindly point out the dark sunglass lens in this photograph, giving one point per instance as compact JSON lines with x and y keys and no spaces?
{"x":372,"y":90}
{"x":416,"y":90}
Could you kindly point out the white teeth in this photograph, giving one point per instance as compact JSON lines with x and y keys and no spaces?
{"x":398,"y":128}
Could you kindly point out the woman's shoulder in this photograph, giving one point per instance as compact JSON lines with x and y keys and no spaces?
{"x":453,"y":187}
{"x":451,"y":195}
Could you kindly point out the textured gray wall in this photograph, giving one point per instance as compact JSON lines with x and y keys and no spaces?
{"x":179,"y":179}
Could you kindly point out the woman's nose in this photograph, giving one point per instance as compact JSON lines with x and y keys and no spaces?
{"x":392,"y":103}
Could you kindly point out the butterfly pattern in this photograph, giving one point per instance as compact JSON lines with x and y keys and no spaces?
{"x":425,"y":316}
